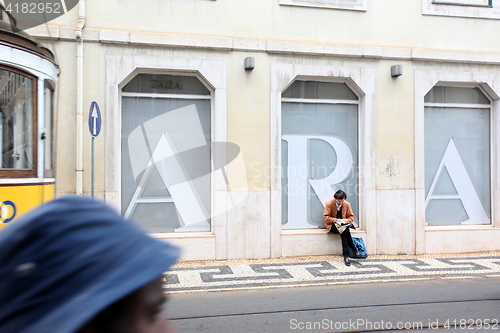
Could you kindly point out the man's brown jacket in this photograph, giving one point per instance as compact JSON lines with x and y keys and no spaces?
{"x":330,"y":213}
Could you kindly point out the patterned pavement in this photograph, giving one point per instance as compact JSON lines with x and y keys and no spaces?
{"x":202,"y":276}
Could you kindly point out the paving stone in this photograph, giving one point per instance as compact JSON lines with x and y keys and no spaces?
{"x":201,"y":276}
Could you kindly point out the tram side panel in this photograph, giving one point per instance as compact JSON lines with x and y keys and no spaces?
{"x":18,"y":199}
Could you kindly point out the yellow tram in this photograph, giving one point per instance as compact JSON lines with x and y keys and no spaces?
{"x":28,"y":74}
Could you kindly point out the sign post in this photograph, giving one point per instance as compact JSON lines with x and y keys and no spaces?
{"x":95,"y":122}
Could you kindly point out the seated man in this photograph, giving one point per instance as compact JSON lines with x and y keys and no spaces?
{"x":74,"y":265}
{"x":339,"y":210}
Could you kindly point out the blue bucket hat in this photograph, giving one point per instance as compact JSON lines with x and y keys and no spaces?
{"x":66,"y":261}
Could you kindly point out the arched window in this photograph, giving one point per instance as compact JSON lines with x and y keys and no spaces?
{"x":166,"y":154}
{"x":319,"y":150}
{"x":457,"y":156}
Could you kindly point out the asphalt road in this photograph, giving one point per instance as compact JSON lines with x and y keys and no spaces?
{"x":445,"y":305}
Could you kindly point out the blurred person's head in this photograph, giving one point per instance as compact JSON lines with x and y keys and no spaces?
{"x":74,"y":265}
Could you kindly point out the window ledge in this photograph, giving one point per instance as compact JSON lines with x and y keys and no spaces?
{"x":458,"y":10}
{"x":459,"y":4}
{"x":313,"y":232}
{"x":360,"y":5}
{"x":303,"y":232}
{"x":461,"y":228}
{"x":180,"y":235}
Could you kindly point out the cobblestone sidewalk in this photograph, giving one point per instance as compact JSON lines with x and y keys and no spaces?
{"x":324,"y":270}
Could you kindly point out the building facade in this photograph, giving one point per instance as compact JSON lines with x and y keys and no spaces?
{"x":228,"y":124}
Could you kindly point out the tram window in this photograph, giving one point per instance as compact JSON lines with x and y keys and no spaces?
{"x":48,"y":131}
{"x":17,"y":124}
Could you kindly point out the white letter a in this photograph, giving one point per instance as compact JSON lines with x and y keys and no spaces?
{"x":463,"y":184}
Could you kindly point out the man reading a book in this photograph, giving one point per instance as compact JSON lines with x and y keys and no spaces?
{"x":338,"y":217}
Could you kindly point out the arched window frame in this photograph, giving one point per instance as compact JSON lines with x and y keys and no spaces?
{"x":462,"y":105}
{"x":128,"y":211}
{"x":425,"y":80}
{"x":362,"y":81}
{"x":329,"y":101}
{"x":119,"y":70}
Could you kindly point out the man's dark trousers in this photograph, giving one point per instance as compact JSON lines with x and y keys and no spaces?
{"x":345,"y":237}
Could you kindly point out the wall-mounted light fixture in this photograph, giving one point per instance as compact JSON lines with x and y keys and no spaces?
{"x":396,"y":70}
{"x":249,"y":63}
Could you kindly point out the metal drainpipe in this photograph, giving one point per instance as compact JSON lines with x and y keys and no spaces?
{"x":79,"y":97}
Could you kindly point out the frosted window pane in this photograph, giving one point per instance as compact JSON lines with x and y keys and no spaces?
{"x":318,"y":120}
{"x":166,"y":84}
{"x":151,"y":216}
{"x":445,"y":184}
{"x":284,"y":181}
{"x":456,"y":95}
{"x":445,"y":212}
{"x":138,"y":111}
{"x":319,"y":90}
{"x":469,"y":129}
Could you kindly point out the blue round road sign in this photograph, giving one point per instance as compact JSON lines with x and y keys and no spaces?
{"x":95,"y":119}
